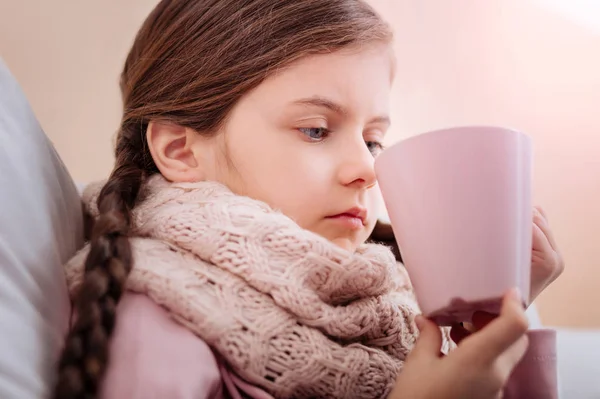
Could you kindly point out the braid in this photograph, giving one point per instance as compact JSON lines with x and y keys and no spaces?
{"x":85,"y":356}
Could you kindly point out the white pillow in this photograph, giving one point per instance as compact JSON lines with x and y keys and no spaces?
{"x":41,"y":227}
{"x":578,"y":354}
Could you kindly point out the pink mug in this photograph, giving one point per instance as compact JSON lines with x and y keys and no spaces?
{"x":459,"y":201}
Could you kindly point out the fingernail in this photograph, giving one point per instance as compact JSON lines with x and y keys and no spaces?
{"x":515,"y":294}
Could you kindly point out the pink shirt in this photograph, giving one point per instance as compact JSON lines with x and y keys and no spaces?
{"x":154,"y":357}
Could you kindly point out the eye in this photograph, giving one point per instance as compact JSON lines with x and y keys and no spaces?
{"x":375,"y":147}
{"x":315,"y":133}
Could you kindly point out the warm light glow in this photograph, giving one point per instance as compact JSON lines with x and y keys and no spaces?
{"x":583,"y":12}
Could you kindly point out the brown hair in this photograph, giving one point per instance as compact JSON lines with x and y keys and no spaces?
{"x":190,"y":63}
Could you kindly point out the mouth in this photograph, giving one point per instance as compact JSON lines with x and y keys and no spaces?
{"x":354,"y":217}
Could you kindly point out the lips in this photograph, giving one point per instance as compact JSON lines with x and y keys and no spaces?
{"x":357,"y":213}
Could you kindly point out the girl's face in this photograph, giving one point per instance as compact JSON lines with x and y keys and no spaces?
{"x":304,"y":141}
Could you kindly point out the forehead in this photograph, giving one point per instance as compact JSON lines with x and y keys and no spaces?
{"x":359,"y":79}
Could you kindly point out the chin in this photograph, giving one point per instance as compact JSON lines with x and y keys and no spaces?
{"x":345,"y":243}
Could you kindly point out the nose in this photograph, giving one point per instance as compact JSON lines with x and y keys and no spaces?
{"x":358,"y":165}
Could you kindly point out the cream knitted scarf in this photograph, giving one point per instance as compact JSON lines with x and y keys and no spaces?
{"x":289,"y":311}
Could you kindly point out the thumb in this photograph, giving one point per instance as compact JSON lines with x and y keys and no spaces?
{"x":429,"y":342}
{"x":501,"y":333}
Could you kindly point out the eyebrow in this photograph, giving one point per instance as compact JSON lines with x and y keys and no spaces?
{"x":322,"y":102}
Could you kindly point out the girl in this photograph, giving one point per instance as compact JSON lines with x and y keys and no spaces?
{"x":227,"y":253}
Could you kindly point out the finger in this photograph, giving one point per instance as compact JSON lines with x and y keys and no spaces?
{"x":502,"y":332}
{"x":539,"y":219}
{"x":513,"y":355}
{"x":539,"y":241}
{"x":461,"y":331}
{"x":429,"y":343}
{"x":542,"y":250}
{"x":541,"y":211}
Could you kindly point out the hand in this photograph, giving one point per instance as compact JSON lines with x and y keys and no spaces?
{"x":546,"y":261}
{"x":546,"y":265}
{"x":478,"y":368}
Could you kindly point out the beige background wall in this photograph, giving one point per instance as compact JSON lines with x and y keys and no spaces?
{"x":510,"y":62}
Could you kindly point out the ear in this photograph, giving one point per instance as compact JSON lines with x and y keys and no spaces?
{"x":173,"y":151}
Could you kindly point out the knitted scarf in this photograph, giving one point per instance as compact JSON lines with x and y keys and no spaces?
{"x":287,"y":310}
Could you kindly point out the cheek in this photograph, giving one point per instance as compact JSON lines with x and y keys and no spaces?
{"x":375,"y":203}
{"x":288,"y":177}
{"x":297,"y":193}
